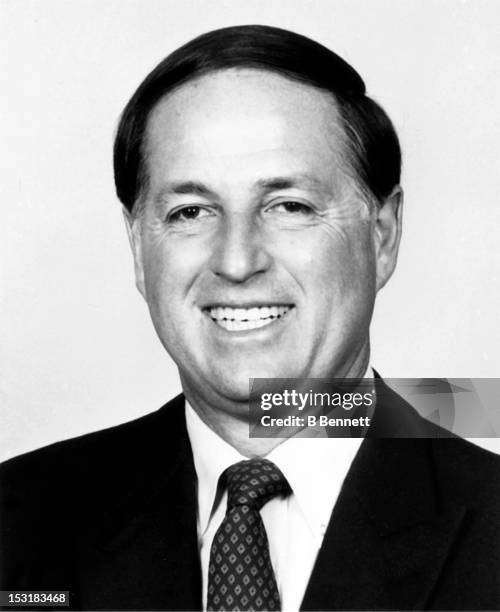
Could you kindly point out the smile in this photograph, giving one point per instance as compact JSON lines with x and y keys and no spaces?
{"x":241,"y":319}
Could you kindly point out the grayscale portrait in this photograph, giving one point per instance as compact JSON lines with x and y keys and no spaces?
{"x":212,"y":293}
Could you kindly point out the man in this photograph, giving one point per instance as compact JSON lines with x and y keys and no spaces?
{"x":260,"y":187}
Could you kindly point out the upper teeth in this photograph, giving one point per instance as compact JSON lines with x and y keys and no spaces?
{"x":248,"y":314}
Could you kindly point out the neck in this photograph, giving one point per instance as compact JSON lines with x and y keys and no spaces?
{"x":230,"y":419}
{"x":232,"y":426}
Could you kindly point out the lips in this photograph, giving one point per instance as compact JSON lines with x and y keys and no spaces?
{"x":240,"y":319}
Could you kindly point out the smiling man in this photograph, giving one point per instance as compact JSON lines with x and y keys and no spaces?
{"x":258,"y":254}
{"x":260,"y":187}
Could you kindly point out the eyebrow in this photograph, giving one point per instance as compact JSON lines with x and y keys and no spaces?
{"x":185,"y":187}
{"x":288,"y":182}
{"x":264,"y":185}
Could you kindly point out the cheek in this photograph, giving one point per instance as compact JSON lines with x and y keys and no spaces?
{"x":170,"y":269}
{"x":329,"y":264}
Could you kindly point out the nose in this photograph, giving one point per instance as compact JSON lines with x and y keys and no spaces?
{"x":239,"y":252}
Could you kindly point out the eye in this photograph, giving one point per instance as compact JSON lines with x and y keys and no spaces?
{"x":292,"y":207}
{"x":186,"y":214}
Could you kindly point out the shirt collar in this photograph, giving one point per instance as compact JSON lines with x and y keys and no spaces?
{"x":212,"y":455}
{"x":314,"y":467}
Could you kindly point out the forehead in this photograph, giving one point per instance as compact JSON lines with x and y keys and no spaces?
{"x":243,"y":117}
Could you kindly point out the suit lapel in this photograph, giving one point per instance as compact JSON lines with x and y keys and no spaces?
{"x":386,"y":544}
{"x":389,"y":534}
{"x":148,"y":554}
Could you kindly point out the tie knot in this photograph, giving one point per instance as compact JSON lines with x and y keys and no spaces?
{"x":253,"y":483}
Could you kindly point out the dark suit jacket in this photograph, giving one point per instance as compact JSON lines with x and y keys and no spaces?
{"x":111,"y":517}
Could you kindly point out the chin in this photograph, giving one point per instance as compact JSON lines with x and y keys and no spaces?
{"x":236,"y":385}
{"x":235,"y":388}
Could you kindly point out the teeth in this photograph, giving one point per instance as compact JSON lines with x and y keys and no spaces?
{"x":253,"y":314}
{"x":239,"y":314}
{"x":265,"y":312}
{"x":233,"y":325}
{"x":237,"y":319}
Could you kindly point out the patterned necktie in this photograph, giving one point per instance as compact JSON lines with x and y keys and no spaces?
{"x":240,"y":574}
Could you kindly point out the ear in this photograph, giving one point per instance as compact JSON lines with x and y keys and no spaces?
{"x":133,"y":226}
{"x":388,"y":226}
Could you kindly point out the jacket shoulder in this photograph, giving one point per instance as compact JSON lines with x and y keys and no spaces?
{"x":94,"y":455}
{"x":53,"y":497}
{"x":468,"y":473}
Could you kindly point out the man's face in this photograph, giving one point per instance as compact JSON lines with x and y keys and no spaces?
{"x":256,"y":253}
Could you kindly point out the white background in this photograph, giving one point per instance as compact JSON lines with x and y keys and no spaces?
{"x":77,"y":349}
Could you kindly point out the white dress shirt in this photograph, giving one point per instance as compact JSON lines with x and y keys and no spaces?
{"x":315,"y":469}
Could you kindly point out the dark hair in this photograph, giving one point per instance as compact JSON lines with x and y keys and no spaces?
{"x":373,"y":147}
